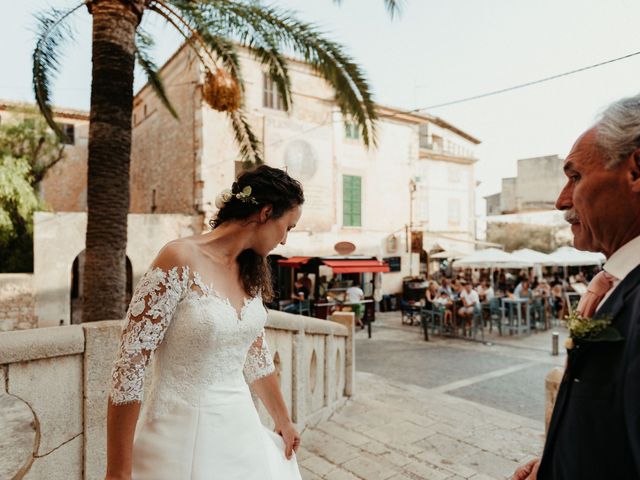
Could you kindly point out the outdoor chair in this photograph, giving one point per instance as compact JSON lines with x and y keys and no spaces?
{"x":496,"y":314}
{"x":408,"y":312}
{"x":434,"y":317}
{"x":571,"y":300}
{"x":477,"y":322}
{"x":304,"y":307}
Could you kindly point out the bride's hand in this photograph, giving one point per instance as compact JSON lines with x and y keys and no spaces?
{"x":291,"y":439}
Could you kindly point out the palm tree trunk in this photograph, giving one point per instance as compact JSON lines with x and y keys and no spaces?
{"x":113,"y":54}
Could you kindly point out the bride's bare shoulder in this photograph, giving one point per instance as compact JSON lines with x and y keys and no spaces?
{"x":177,"y":253}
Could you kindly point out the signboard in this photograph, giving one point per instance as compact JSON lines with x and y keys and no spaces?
{"x":395,"y":263}
{"x":416,"y":242}
{"x":344,"y":248}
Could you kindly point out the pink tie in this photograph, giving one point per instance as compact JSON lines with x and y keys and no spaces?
{"x":597,"y":289}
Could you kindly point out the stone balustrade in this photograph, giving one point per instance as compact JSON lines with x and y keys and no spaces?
{"x":54,"y":384}
{"x":551,"y":387}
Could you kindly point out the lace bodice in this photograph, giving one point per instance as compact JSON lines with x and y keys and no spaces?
{"x":195,"y":337}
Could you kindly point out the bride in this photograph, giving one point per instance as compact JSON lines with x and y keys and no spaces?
{"x":199,"y":312}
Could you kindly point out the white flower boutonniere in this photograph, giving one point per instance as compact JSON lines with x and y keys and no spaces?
{"x":585,"y":329}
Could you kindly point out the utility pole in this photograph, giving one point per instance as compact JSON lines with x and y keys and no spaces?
{"x":412,"y":189}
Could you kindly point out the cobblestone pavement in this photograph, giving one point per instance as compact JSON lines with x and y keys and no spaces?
{"x":443,"y":409}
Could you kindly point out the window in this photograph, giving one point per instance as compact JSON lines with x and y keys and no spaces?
{"x":454,"y":211}
{"x":69,"y":132}
{"x":436,"y":143}
{"x":270,"y":96}
{"x":351,"y":131}
{"x":351,"y":201}
{"x":424,"y":136}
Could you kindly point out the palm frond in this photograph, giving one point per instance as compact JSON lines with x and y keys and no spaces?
{"x":250,"y":148}
{"x":143,"y":45}
{"x":394,"y":7}
{"x":246,"y":23}
{"x":224,"y":48}
{"x":260,"y":42}
{"x":51,"y":33}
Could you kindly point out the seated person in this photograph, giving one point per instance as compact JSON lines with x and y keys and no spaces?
{"x":444,"y":303}
{"x":485,"y":291}
{"x":354,"y":295}
{"x":557,"y":300}
{"x":523,"y":290}
{"x":430,"y":295}
{"x":470,"y":301}
{"x":300,"y":293}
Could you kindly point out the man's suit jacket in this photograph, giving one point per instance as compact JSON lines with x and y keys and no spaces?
{"x":595,"y":427}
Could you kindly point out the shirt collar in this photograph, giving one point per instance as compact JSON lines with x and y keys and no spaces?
{"x":625,"y":259}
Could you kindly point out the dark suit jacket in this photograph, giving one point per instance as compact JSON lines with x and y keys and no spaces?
{"x":595,"y":427}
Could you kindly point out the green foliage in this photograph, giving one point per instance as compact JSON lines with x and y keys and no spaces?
{"x":28,"y":149}
{"x":515,"y":236}
{"x":592,"y":329}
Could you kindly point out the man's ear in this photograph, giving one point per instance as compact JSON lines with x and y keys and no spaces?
{"x":634,"y":167}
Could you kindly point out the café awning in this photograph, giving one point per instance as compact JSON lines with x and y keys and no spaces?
{"x":357,"y":266}
{"x":294,"y":262}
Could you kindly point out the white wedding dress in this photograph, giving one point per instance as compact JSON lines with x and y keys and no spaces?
{"x":198,"y":420}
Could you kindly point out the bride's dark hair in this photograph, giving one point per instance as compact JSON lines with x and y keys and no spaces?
{"x":269,"y":186}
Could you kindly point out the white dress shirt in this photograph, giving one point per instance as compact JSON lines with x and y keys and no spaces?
{"x":620,"y":264}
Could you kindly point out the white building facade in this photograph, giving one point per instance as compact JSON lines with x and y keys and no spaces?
{"x":353,"y":194}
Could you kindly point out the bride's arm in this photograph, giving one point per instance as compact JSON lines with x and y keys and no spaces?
{"x":152,"y":306}
{"x":268,"y":389}
{"x":260,"y":373}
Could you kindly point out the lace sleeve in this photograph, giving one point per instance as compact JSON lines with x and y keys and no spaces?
{"x":150,"y":312}
{"x":258,"y":363}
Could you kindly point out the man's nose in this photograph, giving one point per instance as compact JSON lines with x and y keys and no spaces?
{"x":564,"y":200}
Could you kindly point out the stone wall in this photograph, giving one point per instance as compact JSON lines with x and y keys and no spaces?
{"x":60,"y":237}
{"x":17,"y":302}
{"x":54,"y":384}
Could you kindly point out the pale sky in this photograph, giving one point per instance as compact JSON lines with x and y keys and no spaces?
{"x":435,"y":52}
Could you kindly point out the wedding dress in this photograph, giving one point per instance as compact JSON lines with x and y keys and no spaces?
{"x":198,"y":419}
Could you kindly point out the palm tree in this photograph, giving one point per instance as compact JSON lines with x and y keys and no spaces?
{"x":214,"y":29}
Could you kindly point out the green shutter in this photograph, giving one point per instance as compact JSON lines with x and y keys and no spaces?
{"x":351,"y":201}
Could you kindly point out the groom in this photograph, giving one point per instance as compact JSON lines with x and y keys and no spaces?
{"x":595,"y":428}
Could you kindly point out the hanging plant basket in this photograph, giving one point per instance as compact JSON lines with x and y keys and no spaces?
{"x":221,"y":91}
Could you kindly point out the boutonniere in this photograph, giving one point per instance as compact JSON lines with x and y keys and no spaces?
{"x":585,"y":329}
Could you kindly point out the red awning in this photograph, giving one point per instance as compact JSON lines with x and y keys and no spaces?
{"x":357,"y":266}
{"x":293,"y":262}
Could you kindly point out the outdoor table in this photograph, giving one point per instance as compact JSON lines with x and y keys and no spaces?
{"x":365,"y":318}
{"x":513,"y":307}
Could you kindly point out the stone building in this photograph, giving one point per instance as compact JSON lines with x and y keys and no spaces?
{"x":420,"y":175}
{"x":526,"y":204}
{"x":419,"y":178}
{"x":536,"y":187}
{"x":64,"y":188}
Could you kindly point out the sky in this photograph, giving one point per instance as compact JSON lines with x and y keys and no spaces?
{"x":436,"y":51}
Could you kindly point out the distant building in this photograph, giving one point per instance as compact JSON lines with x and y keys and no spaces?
{"x":536,"y":187}
{"x":64,"y":188}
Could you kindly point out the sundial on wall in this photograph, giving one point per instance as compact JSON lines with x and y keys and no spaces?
{"x":300,"y":159}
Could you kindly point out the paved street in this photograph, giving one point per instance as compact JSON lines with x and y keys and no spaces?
{"x":444,"y":409}
{"x":506,"y":373}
